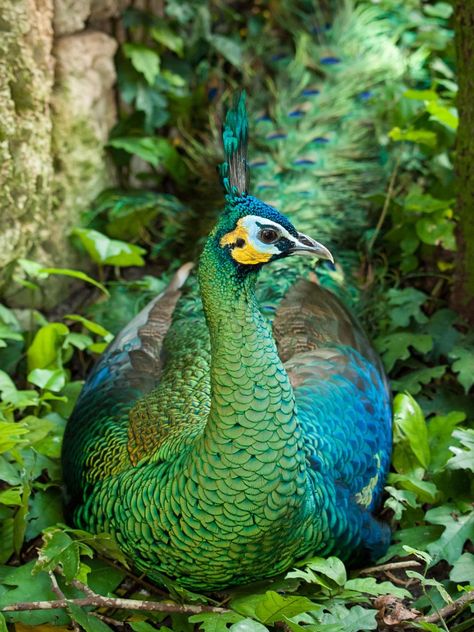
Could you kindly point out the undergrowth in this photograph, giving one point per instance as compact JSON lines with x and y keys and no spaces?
{"x":169,"y":73}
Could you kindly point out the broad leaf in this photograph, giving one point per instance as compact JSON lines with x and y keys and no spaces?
{"x":463,"y":365}
{"x":463,"y":569}
{"x":145,"y":60}
{"x":396,"y":346}
{"x":370,"y":586}
{"x":215,"y":622}
{"x":463,"y":458}
{"x":458,"y":529}
{"x":108,"y":251}
{"x":410,"y":423}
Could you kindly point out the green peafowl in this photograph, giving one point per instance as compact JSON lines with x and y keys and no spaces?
{"x":242,"y":420}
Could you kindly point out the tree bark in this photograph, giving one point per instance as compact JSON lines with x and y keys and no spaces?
{"x":463,"y":290}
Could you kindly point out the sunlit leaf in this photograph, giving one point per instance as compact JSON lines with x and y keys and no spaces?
{"x":463,"y":458}
{"x":145,"y":60}
{"x":108,"y":251}
{"x":458,"y":528}
{"x":421,"y":136}
{"x":463,"y":365}
{"x":410,"y":422}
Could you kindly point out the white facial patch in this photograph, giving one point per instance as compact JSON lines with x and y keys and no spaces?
{"x":253,"y":224}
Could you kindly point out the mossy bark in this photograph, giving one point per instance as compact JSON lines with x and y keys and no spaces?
{"x":463,"y":290}
{"x":56,"y":110}
{"x":26,"y":81}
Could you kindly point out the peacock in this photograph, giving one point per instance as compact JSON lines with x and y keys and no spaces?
{"x":242,"y":420}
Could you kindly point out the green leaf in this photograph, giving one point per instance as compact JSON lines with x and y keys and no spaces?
{"x":168,"y":38}
{"x":12,"y":496}
{"x":463,"y":365}
{"x":463,"y":458}
{"x":355,"y":619}
{"x":463,"y":569}
{"x":18,"y":584}
{"x":420,"y":136}
{"x":399,"y":500}
{"x":439,"y":10}
{"x":437,"y":229}
{"x":440,"y":430}
{"x":406,"y":304}
{"x":87,"y":621}
{"x":442,"y":114}
{"x":412,"y":480}
{"x":273,"y":607}
{"x":6,"y":540}
{"x":156,"y":151}
{"x":95,"y":328}
{"x":248,"y":625}
{"x":331,"y":567}
{"x":145,"y":60}
{"x":59,"y":549}
{"x":18,"y":399}
{"x":412,"y":382}
{"x":51,"y":379}
{"x":458,"y":529}
{"x":370,"y":586}
{"x":45,"y":352}
{"x":109,"y":251}
{"x":46,"y":509}
{"x":10,"y":435}
{"x":9,"y":472}
{"x":410,"y":423}
{"x":421,"y":95}
{"x":215,"y":622}
{"x":228,"y":48}
{"x":418,"y":202}
{"x":396,"y":346}
{"x":77,"y":274}
{"x":421,"y":555}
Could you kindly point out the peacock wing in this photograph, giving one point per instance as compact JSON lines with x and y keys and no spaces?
{"x":340,"y":389}
{"x":120,"y":407}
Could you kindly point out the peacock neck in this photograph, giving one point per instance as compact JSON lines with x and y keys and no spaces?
{"x":252,"y":441}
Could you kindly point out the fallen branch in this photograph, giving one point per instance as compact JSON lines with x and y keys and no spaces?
{"x":452,"y":608}
{"x":389,"y":567}
{"x":99,"y":601}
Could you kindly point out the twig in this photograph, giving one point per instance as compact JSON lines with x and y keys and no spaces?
{"x":397,"y":580}
{"x":109,"y":620}
{"x":100,"y":601}
{"x":389,"y":567}
{"x":450,"y":609}
{"x":59,"y":593}
{"x":386,"y":204}
{"x":55,"y":586}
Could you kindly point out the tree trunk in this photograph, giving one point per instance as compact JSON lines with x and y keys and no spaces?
{"x":57,"y":107}
{"x":463,"y":291}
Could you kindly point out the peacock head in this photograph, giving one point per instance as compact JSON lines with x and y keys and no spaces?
{"x":249,"y":231}
{"x":253,"y":233}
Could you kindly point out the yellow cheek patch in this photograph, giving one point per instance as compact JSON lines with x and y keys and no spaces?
{"x":246,"y":254}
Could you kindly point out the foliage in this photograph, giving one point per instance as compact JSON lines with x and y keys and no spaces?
{"x":169,"y":69}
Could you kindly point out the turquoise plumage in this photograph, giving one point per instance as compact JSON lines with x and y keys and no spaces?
{"x":220,"y":442}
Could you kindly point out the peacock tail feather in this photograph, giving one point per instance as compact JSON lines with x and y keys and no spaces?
{"x":242,"y":420}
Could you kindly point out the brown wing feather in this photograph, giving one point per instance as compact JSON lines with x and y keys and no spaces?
{"x":311,"y":318}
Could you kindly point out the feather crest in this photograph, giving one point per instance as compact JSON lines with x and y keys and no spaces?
{"x":234,"y":169}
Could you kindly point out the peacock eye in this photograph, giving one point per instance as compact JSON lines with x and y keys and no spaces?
{"x":268,"y":235}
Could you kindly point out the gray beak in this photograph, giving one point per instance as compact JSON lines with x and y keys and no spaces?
{"x":307,"y":246}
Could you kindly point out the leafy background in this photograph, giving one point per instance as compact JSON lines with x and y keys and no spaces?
{"x":173,"y":73}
